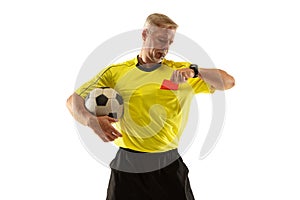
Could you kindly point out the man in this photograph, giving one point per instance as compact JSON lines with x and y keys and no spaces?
{"x":157,"y":95}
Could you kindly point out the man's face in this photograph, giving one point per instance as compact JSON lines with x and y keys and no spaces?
{"x":157,"y":42}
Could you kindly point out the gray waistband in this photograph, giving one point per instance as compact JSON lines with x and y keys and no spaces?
{"x":137,"y":162}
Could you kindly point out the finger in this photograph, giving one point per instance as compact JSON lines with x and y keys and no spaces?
{"x":112,"y":120}
{"x":116,"y":133}
{"x":177,"y":76}
{"x":104,"y":135}
{"x":191,"y":74}
{"x":181,"y":78}
{"x":104,"y":139}
{"x":110,"y":136}
{"x":173,"y":77}
{"x":187,"y":75}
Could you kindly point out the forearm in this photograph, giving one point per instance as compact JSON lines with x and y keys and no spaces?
{"x":217,"y":78}
{"x":75,"y":105}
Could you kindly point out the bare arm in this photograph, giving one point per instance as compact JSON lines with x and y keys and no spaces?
{"x":100,"y":125}
{"x":218,"y":79}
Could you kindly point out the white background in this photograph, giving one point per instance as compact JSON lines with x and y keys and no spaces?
{"x":44,"y":43}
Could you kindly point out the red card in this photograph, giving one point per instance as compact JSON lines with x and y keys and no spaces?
{"x":168,"y":85}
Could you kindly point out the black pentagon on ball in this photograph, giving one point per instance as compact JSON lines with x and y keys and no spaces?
{"x":101,"y":100}
{"x":113,"y":115}
{"x":119,"y":99}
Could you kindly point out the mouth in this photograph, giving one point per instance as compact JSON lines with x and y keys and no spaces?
{"x":160,"y":54}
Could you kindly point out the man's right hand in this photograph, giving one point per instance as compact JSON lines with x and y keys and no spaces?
{"x":102,"y":126}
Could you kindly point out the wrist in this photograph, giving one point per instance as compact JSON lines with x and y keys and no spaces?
{"x":194,"y":67}
{"x":200,"y":71}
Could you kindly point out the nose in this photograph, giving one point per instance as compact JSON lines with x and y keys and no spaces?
{"x":165,"y":46}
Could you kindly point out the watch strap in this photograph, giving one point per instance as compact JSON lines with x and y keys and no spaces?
{"x":195,"y":68}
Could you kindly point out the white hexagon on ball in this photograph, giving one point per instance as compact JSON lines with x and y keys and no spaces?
{"x":105,"y":101}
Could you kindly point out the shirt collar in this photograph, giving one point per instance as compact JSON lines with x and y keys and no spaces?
{"x":138,"y":65}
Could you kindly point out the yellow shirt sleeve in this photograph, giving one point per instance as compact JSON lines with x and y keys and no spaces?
{"x":198,"y":84}
{"x":102,"y":79}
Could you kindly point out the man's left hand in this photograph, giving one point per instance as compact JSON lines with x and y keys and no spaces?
{"x":181,"y":75}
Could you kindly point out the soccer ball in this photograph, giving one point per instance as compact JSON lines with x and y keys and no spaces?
{"x":105,"y":101}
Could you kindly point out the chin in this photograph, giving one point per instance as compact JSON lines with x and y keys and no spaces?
{"x":154,"y":59}
{"x":158,"y":60}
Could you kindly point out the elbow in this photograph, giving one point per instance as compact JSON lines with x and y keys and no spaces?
{"x":229,"y":82}
{"x":69,"y":104}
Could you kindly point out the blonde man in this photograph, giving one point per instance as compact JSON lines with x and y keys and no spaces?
{"x":148,"y":165}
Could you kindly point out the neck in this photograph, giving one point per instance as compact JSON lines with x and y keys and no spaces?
{"x":143,"y":60}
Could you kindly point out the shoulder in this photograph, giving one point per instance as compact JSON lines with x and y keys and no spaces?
{"x":175,"y":65}
{"x":118,"y":67}
{"x":128,"y":63}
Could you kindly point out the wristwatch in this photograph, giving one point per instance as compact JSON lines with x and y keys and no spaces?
{"x":195,"y":68}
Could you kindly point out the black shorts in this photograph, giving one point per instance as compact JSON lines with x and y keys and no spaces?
{"x":148,"y":176}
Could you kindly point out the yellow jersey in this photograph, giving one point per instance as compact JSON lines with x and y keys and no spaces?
{"x":153,"y":118}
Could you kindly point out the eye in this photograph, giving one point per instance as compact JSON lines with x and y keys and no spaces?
{"x":162,"y":40}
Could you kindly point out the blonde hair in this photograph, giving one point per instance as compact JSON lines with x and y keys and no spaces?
{"x":160,"y":20}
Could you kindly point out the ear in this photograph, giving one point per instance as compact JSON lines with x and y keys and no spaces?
{"x":144,"y":34}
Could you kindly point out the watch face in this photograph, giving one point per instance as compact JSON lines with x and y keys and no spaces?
{"x":195,"y":68}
